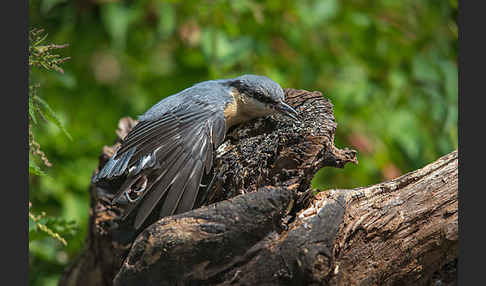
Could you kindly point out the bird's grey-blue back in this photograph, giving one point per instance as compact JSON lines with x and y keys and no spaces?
{"x":213,"y":92}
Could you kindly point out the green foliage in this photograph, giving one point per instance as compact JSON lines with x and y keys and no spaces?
{"x":34,"y":169}
{"x":41,"y":56}
{"x":43,"y":228}
{"x":389,"y":68}
{"x":46,"y":111}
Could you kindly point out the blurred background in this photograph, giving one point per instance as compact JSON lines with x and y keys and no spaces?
{"x":389,"y":67}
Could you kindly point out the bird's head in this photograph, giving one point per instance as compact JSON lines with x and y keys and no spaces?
{"x":259,"y":96}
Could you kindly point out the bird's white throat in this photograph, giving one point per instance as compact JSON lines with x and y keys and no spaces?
{"x":244,"y":108}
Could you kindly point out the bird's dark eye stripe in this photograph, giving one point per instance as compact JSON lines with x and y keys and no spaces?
{"x":238,"y":85}
{"x":261,"y":97}
{"x":258,"y":95}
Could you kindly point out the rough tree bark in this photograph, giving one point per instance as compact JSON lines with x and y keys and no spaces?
{"x":265,"y":226}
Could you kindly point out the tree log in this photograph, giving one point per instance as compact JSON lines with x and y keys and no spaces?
{"x":265,"y":226}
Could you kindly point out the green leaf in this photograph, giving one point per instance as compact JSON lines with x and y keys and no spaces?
{"x":167,"y":20}
{"x":51,"y":115}
{"x":117,"y":19}
{"x":223,"y":50}
{"x":65,"y":228}
{"x":41,"y":227}
{"x":317,"y":12}
{"x":424,"y":69}
{"x":32,"y":110}
{"x":47,"y":5}
{"x":34,"y":169}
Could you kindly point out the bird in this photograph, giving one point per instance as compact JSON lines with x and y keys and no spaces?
{"x":164,"y":157}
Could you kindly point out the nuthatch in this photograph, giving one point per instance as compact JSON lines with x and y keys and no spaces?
{"x":164,"y":156}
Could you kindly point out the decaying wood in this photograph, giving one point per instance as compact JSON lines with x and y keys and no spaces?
{"x":264,"y":226}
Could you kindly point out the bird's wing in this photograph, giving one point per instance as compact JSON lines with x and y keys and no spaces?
{"x":167,"y":156}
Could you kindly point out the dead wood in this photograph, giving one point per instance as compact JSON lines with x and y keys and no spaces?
{"x":264,"y":226}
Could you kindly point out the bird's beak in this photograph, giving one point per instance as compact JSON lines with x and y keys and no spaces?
{"x":287,"y":110}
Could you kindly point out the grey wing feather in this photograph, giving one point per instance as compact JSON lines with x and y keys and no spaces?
{"x":190,"y":191}
{"x":195,"y":144}
{"x":171,"y":152}
{"x":154,"y":190}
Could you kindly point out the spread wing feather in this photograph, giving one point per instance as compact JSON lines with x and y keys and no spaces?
{"x":165,"y":158}
{"x":190,"y":190}
{"x":180,"y":182}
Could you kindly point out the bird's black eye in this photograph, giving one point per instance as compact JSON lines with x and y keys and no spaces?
{"x":260,"y":96}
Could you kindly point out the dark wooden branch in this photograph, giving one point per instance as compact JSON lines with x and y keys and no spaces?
{"x":264,"y":226}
